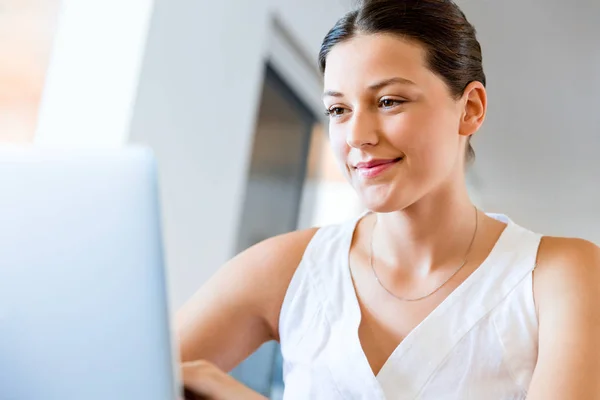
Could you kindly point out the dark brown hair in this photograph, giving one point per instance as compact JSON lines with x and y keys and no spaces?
{"x":453,"y":51}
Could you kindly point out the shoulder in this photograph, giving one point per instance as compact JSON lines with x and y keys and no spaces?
{"x":286,"y":251}
{"x":277,"y":256}
{"x":264,"y":271}
{"x":557,"y":250}
{"x":567,"y":269}
{"x":567,"y":257}
{"x":566,"y":282}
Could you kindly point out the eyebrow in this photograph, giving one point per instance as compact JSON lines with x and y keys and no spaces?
{"x":374,"y":87}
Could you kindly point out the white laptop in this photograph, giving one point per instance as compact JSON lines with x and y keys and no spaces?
{"x":83,"y":299}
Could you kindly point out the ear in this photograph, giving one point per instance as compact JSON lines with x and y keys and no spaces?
{"x":474,"y":101}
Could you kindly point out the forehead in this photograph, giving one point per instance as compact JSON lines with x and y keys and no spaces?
{"x":367,"y":58}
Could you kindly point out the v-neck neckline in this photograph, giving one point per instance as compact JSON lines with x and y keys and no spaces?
{"x":411,"y":338}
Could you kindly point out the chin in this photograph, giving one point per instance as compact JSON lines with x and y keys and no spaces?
{"x":382,"y":207}
{"x":390,"y":196}
{"x":384,"y":203}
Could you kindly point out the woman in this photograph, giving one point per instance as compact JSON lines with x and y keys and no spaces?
{"x":424,"y":296}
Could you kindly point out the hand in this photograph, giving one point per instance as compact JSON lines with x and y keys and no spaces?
{"x":208,"y":381}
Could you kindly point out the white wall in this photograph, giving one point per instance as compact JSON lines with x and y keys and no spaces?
{"x":196,"y":106}
{"x":92,"y":78}
{"x":537,"y":155}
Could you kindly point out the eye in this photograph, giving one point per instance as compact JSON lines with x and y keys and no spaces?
{"x":389,"y":103}
{"x":335,"y":111}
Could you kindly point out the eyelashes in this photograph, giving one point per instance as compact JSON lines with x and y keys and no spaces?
{"x":389,"y":103}
{"x":334,"y":111}
{"x":385,"y":104}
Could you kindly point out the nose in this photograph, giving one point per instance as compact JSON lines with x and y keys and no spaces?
{"x":362,"y":130}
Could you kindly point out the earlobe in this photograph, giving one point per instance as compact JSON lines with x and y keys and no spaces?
{"x":475,"y":108}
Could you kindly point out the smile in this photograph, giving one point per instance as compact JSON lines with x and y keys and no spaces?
{"x":374,"y":168}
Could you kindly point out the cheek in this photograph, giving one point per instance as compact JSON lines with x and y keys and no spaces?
{"x":424,"y":135}
{"x":338,"y":143}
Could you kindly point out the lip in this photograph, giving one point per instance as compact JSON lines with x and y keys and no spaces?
{"x":373,"y":168}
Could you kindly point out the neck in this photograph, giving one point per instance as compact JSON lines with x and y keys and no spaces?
{"x":431,"y":234}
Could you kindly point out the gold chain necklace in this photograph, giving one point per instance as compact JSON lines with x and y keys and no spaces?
{"x":437,"y":288}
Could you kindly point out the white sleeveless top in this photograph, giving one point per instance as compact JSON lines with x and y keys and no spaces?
{"x":480,"y":343}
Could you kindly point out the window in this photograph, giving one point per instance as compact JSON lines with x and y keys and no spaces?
{"x":26,"y":32}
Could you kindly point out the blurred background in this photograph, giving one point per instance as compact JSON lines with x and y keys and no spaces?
{"x":27,"y":29}
{"x":228,"y":95}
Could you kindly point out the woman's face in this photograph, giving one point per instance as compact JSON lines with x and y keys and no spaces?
{"x":394,"y":125}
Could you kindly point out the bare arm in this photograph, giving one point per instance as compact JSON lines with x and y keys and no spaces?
{"x":567,"y":291}
{"x":238,"y":308}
